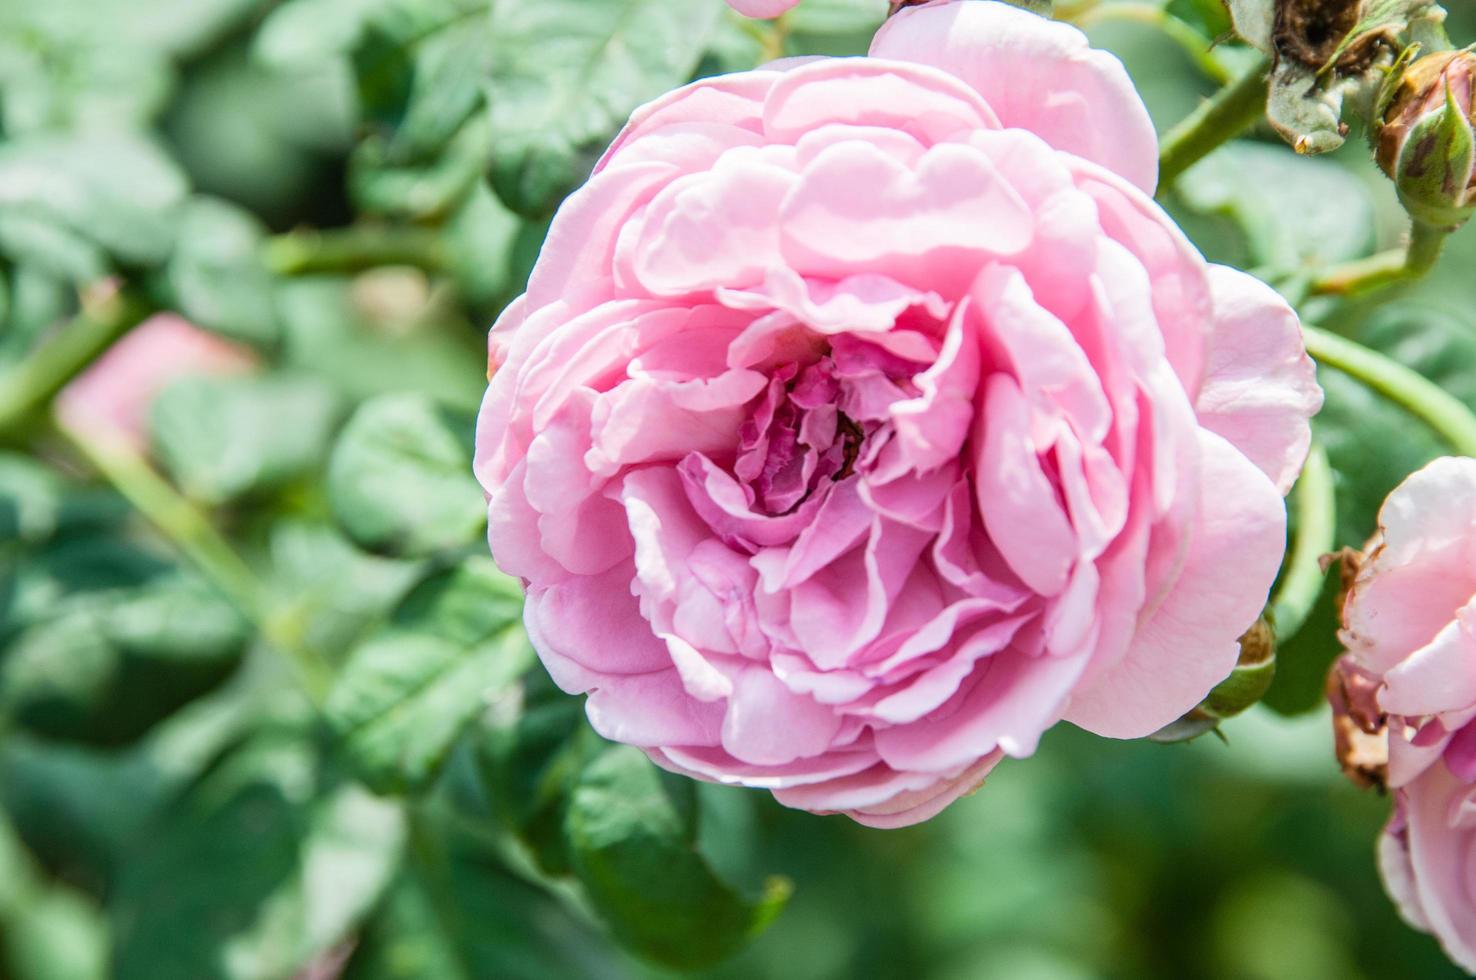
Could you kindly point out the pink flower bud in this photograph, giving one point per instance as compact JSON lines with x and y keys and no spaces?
{"x":1425,"y":142}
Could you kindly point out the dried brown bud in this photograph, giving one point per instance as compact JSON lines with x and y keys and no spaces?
{"x":1360,"y":732}
{"x":1311,"y":31}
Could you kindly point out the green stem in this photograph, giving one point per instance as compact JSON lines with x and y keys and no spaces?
{"x":300,"y":253}
{"x":1412,"y":391}
{"x":36,"y":380}
{"x":1221,"y":118}
{"x":1386,"y":268}
{"x":1315,"y":501}
{"x":1194,"y":44}
{"x":197,"y":540}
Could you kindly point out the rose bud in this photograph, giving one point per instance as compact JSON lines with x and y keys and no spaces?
{"x":1425,"y":142}
{"x":1246,"y":685}
{"x":763,"y":9}
{"x":865,"y":417}
{"x":1409,"y":625}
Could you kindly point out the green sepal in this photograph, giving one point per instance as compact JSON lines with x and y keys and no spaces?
{"x":1435,"y":164}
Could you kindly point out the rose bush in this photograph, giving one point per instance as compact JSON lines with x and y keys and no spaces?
{"x":865,"y":417}
{"x":1410,"y":626}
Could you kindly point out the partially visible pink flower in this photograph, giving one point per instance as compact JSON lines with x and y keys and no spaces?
{"x":110,"y":400}
{"x":1410,"y":621}
{"x":762,"y":8}
{"x":865,"y":417}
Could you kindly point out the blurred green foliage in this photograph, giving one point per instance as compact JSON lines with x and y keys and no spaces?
{"x":358,"y":769}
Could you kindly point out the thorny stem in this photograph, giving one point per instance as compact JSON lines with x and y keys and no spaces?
{"x":1222,"y":117}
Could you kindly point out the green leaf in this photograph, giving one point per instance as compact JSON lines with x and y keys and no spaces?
{"x":36,"y":504}
{"x":400,"y":478}
{"x":89,"y":65}
{"x":223,"y":438}
{"x":330,"y":330}
{"x":530,"y":749}
{"x":832,"y":27}
{"x":453,"y":648}
{"x":106,"y":667}
{"x":268,"y":862}
{"x":482,"y":237}
{"x":419,"y":189}
{"x":327,"y":592}
{"x":216,"y":273}
{"x":37,"y":299}
{"x":458,"y":913}
{"x":450,"y":51}
{"x":85,"y":813}
{"x":1293,"y":212}
{"x":632,"y":832}
{"x":836,"y":17}
{"x":47,"y":932}
{"x":308,"y":32}
{"x":1439,"y":345}
{"x":68,"y":201}
{"x":566,"y":74}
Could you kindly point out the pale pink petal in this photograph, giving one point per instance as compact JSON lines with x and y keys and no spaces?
{"x":1036,"y":74}
{"x":1014,"y":495}
{"x":1438,"y":677}
{"x":1180,"y":291}
{"x":717,"y":228}
{"x":857,"y":210}
{"x":761,"y":8}
{"x":735,"y":101}
{"x":1010,"y":700}
{"x":1189,"y":644}
{"x":1260,"y":387}
{"x":577,"y":259}
{"x":914,"y":806}
{"x":924,"y":103}
{"x":768,"y":724}
{"x":1442,"y":859}
{"x":650,"y":710}
{"x":595,"y":621}
{"x":1420,"y":571}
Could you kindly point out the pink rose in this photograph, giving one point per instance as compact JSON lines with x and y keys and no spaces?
{"x":761,"y":8}
{"x":1410,"y":621}
{"x":863,"y":419}
{"x":110,"y":400}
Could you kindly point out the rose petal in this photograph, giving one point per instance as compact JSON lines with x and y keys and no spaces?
{"x":1036,"y":74}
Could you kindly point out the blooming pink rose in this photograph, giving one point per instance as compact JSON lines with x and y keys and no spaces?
{"x":865,"y":418}
{"x":110,"y":400}
{"x":1410,"y":621}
